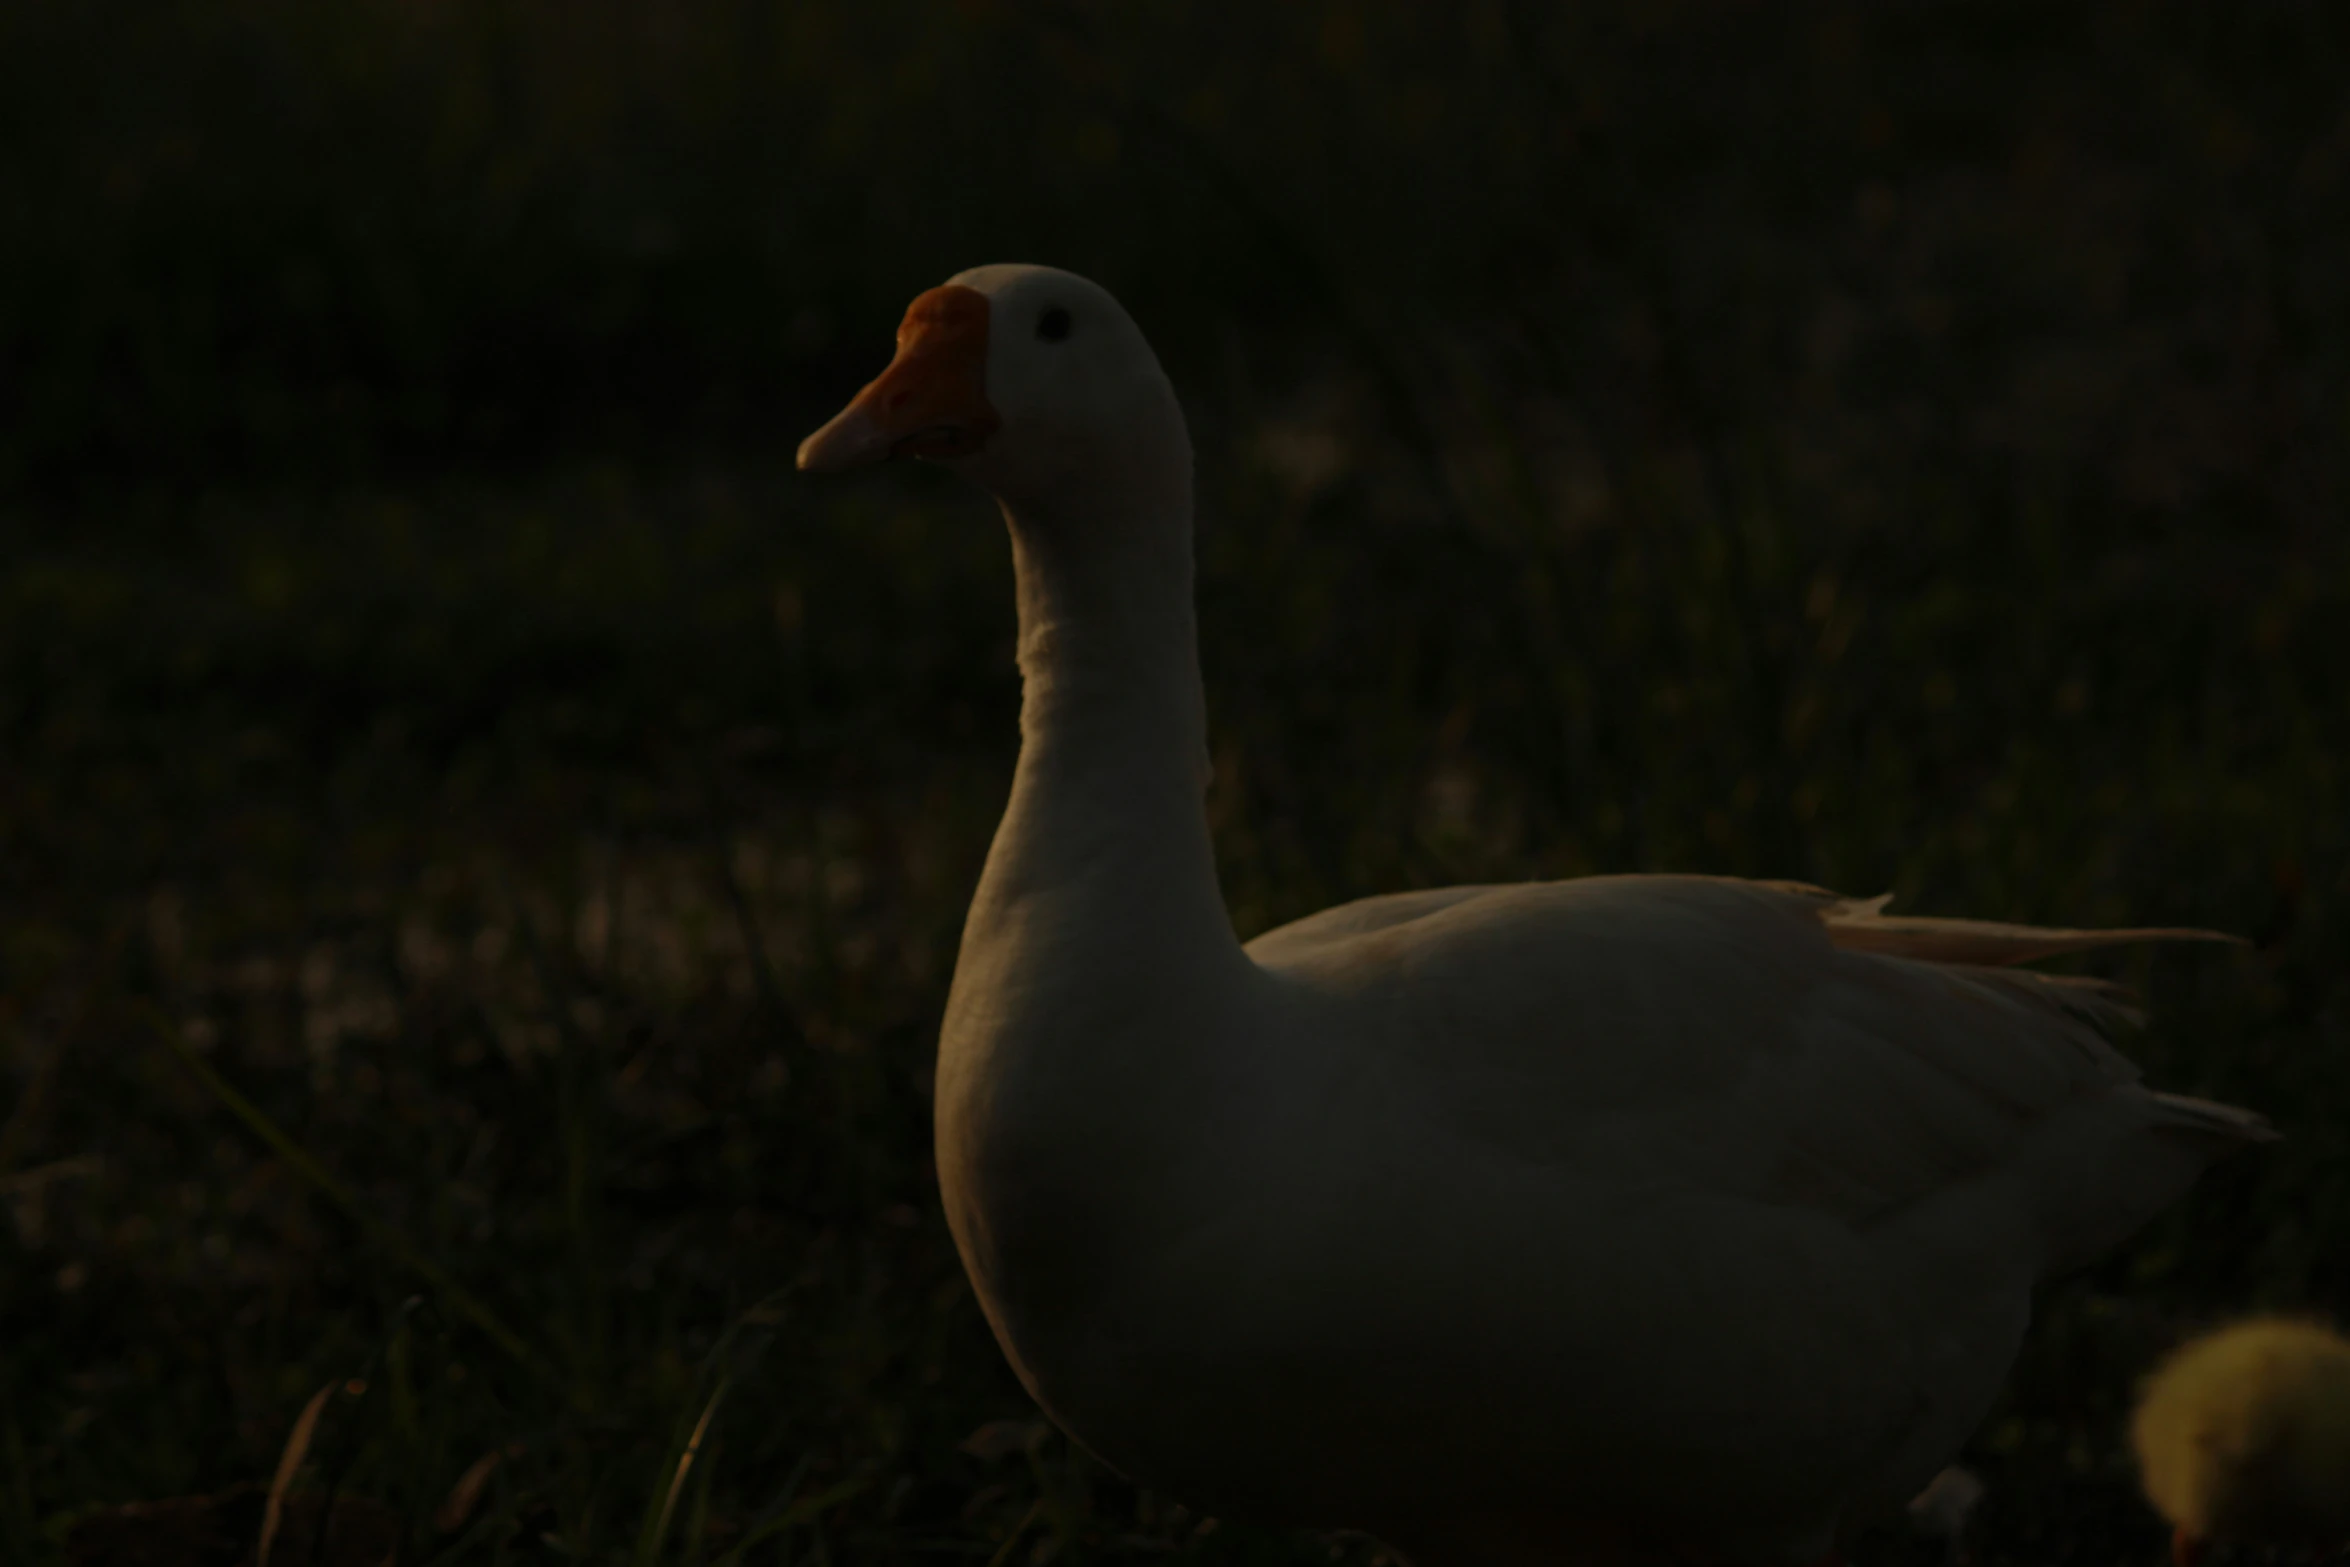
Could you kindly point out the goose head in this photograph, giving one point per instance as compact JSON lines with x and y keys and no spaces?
{"x":1030,"y":381}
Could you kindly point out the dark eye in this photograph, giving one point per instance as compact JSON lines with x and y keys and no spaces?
{"x":1053,"y":325}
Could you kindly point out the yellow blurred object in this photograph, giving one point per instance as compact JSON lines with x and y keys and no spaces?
{"x":2244,"y":1434}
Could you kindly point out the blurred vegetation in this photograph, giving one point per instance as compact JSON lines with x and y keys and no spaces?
{"x":1900,"y":446}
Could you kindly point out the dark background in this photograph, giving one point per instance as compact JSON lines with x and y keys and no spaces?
{"x":1895,"y":445}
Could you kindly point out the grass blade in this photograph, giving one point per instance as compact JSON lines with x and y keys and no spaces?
{"x":806,"y":1510}
{"x":456,"y":1509}
{"x":460,"y":1299}
{"x":648,"y":1548}
{"x":289,"y":1463}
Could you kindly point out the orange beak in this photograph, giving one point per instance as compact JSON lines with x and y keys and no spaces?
{"x":930,"y":402}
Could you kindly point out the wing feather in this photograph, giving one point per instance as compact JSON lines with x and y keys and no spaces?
{"x":1766,"y":1039}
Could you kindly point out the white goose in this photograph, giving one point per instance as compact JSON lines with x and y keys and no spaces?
{"x":1624,"y":1219}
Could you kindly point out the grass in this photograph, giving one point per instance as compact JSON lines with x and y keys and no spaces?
{"x":558,"y":835}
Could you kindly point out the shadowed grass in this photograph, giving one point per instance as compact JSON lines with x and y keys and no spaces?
{"x":459,"y":1298}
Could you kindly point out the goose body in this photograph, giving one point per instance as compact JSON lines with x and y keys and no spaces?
{"x":1621,"y":1219}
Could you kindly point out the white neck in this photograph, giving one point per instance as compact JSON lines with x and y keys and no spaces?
{"x":1099,"y":990}
{"x":1106,"y":806}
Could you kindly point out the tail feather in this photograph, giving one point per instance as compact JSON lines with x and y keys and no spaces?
{"x":1862,"y":925}
{"x":2207,"y":1120}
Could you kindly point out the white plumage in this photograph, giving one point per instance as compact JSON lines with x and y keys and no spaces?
{"x":1629,"y":1218}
